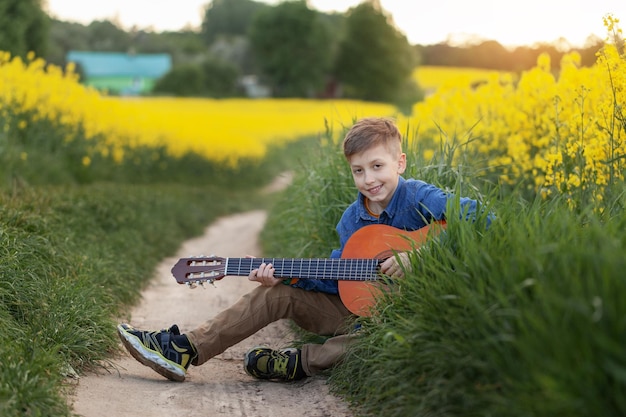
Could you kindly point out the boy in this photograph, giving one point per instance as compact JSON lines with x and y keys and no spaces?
{"x":373,"y":150}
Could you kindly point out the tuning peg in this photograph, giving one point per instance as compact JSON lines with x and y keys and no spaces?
{"x":191,"y":285}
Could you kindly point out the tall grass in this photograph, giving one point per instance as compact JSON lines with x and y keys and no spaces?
{"x":525,"y":319}
{"x":302,"y":220}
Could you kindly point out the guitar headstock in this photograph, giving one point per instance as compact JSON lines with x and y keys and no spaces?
{"x":198,"y":270}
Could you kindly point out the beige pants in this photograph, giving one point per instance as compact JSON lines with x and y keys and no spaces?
{"x":316,"y":312}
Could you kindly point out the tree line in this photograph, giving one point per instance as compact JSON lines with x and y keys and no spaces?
{"x":492,"y":55}
{"x":294,"y":50}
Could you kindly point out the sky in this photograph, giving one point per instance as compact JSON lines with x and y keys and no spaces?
{"x":510,"y":22}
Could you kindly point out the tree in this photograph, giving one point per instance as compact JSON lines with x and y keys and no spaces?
{"x":375,"y":62}
{"x":105,"y":35}
{"x":23,"y":27}
{"x":490,"y":55}
{"x":65,"y":37}
{"x":229,"y":18}
{"x":225,"y":30}
{"x":291,"y":44}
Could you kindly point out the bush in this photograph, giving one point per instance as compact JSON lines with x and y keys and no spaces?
{"x":210,"y":78}
{"x":184,"y":80}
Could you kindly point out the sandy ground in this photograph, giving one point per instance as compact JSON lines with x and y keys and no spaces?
{"x":220,"y":386}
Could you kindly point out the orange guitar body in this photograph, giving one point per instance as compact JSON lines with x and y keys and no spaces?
{"x":377,"y":242}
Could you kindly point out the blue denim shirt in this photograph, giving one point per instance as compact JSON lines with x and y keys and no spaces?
{"x":413,"y":205}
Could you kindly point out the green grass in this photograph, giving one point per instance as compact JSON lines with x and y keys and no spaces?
{"x":72,"y":259}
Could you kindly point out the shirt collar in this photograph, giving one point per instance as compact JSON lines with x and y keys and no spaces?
{"x":363,"y":214}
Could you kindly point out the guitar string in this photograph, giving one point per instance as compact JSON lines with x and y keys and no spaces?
{"x":330,"y":268}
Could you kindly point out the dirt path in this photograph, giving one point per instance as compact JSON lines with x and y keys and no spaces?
{"x":220,"y":386}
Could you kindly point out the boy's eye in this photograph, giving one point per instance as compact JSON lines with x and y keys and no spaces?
{"x":357,"y":171}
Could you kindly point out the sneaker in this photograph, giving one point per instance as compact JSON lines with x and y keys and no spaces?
{"x":265,"y":363}
{"x":167,"y":351}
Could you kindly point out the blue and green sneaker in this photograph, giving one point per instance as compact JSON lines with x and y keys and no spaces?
{"x":265,"y":363}
{"x":166,"y":351}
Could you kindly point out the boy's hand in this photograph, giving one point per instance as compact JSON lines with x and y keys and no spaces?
{"x":264,"y":275}
{"x":391,"y":268}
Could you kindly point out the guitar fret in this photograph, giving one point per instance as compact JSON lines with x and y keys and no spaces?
{"x":291,"y":268}
{"x":329,"y":270}
{"x":350,"y":273}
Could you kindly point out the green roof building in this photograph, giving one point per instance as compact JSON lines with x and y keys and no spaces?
{"x":121,"y":73}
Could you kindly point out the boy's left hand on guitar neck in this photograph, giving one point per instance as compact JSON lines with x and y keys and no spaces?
{"x":264,"y":275}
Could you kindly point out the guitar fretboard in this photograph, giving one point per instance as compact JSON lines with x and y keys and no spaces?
{"x":314,"y":268}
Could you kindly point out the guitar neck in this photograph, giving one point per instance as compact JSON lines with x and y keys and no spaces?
{"x":314,"y":268}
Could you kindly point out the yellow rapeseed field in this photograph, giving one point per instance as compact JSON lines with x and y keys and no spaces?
{"x":433,"y":78}
{"x":227,"y":130}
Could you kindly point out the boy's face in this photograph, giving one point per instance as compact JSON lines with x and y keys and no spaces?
{"x":376,"y":172}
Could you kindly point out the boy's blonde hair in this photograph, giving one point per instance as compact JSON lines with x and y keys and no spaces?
{"x":370,"y":132}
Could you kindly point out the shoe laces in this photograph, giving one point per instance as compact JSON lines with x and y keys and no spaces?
{"x":277,"y":363}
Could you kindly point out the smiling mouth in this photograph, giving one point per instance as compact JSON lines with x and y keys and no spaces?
{"x":374,"y":190}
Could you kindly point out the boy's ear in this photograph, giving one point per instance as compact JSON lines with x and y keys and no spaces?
{"x":402,"y":164}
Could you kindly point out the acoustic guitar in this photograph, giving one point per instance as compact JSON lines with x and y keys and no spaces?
{"x":357,"y":271}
